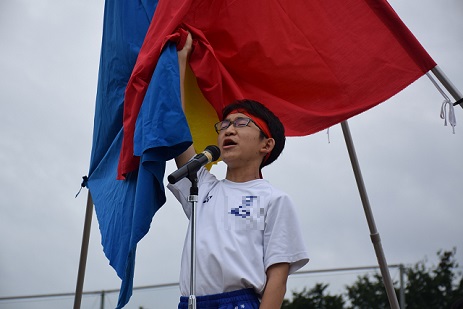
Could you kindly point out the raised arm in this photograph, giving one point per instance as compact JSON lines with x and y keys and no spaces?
{"x":183,"y":55}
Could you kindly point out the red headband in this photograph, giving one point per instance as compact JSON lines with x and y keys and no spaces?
{"x":258,"y":121}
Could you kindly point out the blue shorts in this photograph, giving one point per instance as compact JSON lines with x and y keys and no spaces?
{"x":240,"y":299}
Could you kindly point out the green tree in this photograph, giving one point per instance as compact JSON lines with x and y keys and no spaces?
{"x":435,"y":287}
{"x":367,"y":293}
{"x":315,"y":298}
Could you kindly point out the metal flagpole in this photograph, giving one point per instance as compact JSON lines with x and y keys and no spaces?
{"x":374,"y":235}
{"x":83,"y":252}
{"x":445,"y":81}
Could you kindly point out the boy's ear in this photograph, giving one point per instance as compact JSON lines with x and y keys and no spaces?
{"x":268,"y":146}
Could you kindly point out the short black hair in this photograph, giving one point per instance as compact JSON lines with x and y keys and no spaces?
{"x":257,"y":109}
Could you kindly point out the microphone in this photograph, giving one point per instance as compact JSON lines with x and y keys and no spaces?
{"x":210,"y":154}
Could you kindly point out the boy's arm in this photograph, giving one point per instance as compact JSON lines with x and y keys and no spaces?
{"x":183,"y":55}
{"x":275,"y":288}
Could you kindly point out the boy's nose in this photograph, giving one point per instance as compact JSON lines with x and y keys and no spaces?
{"x":230,"y":130}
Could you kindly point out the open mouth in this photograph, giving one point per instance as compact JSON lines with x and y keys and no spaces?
{"x":228,"y":143}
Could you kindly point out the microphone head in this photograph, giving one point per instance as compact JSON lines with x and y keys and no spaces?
{"x":214,"y":151}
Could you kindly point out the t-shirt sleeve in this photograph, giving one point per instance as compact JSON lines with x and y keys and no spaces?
{"x":283,"y":242}
{"x":181,"y":189}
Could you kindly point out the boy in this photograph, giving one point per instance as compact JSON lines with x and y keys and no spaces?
{"x":248,"y":238}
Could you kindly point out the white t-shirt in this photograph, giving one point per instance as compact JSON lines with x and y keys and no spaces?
{"x":241,"y":230}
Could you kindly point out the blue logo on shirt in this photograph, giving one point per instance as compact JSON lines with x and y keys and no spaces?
{"x":244,"y":210}
{"x":207,"y":199}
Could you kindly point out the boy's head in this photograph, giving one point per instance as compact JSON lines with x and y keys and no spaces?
{"x":269,"y":122}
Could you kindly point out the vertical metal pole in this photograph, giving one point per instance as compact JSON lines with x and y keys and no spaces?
{"x":102,"y":299}
{"x":193,"y":199}
{"x":192,"y":299}
{"x":83,"y":252}
{"x":402,"y":286}
{"x":374,"y":235}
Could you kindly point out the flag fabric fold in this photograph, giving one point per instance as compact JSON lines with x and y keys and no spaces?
{"x":313,"y":63}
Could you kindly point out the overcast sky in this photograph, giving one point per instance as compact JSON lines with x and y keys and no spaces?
{"x":49,"y":55}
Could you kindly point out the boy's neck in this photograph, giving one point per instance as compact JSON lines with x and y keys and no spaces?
{"x":242,"y":174}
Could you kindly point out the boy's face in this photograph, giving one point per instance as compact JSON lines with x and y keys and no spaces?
{"x":240,"y":146}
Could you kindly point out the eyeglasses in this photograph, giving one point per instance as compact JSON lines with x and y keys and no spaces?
{"x":239,"y":122}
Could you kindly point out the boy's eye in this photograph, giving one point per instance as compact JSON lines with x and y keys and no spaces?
{"x":241,"y":122}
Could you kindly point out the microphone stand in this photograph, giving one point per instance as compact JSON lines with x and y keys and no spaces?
{"x":190,"y":171}
{"x":193,"y":199}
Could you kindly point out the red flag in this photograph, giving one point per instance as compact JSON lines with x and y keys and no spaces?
{"x":313,"y":63}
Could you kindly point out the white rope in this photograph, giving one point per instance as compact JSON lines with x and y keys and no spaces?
{"x":443,"y":112}
{"x":451,"y":114}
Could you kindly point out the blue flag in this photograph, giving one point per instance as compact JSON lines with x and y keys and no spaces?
{"x":125,"y":208}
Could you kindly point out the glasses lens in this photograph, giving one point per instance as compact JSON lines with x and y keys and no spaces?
{"x":241,"y":122}
{"x":222,"y":125}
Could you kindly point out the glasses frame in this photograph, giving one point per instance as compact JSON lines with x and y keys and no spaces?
{"x":218,"y":127}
